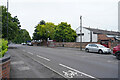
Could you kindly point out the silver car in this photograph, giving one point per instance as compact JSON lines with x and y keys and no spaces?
{"x":97,"y":48}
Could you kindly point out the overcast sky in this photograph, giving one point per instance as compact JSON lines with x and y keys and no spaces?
{"x":102,"y":14}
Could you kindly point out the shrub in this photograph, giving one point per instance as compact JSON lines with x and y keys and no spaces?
{"x":3,"y":47}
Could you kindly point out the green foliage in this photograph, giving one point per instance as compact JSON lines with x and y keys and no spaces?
{"x":44,"y":31}
{"x":12,"y":25}
{"x":3,"y":47}
{"x":42,"y":22}
{"x":22,"y":37}
{"x":61,"y":32}
{"x":15,"y":33}
{"x":64,"y":32}
{"x":15,"y":19}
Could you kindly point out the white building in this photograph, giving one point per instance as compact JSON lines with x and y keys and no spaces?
{"x":87,"y":35}
{"x":94,"y":35}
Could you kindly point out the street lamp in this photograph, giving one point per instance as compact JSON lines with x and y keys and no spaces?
{"x":81,"y":33}
{"x":7,"y":18}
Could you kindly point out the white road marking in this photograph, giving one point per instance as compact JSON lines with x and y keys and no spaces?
{"x":26,"y":68}
{"x":17,"y":62}
{"x":30,"y":53}
{"x":109,"y":61}
{"x":78,"y":71}
{"x":23,"y":50}
{"x":43,"y":58}
{"x":70,"y":74}
{"x":47,"y":67}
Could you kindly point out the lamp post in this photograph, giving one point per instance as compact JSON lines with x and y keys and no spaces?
{"x":81,"y":33}
{"x":7,"y":18}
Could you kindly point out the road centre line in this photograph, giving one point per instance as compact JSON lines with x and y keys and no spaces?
{"x":30,"y":53}
{"x":46,"y":66}
{"x":43,"y":57}
{"x":78,"y":71}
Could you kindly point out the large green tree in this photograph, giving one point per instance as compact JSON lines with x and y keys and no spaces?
{"x":22,"y":37}
{"x":44,"y":31}
{"x":12,"y":25}
{"x":15,"y":33}
{"x":64,"y":32}
{"x":60,"y":32}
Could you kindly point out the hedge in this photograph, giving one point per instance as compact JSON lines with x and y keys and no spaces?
{"x":3,"y":47}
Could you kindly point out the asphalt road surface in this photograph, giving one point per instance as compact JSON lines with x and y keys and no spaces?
{"x":67,"y":63}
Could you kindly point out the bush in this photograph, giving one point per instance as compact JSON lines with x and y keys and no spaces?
{"x":3,"y":47}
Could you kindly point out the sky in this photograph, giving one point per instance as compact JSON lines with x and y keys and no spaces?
{"x":101,"y":14}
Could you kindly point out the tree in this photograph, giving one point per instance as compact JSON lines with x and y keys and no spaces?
{"x":15,"y":19}
{"x":42,"y":22}
{"x":22,"y":37}
{"x":63,"y":32}
{"x":12,"y":25}
{"x":15,"y":33}
{"x":44,"y":31}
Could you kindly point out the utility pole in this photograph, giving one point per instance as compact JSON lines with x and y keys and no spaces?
{"x":81,"y":33}
{"x":7,"y":19}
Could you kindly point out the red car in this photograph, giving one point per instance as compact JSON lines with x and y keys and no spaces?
{"x":116,"y":51}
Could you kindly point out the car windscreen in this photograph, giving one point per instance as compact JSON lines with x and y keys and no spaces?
{"x":101,"y":46}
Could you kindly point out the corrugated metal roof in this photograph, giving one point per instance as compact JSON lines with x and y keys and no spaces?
{"x":100,"y":31}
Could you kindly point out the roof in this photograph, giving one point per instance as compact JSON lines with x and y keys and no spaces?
{"x":100,"y":31}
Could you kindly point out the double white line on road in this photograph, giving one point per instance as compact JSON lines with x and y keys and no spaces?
{"x":43,"y":58}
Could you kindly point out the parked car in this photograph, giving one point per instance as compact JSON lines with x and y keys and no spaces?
{"x":97,"y":48}
{"x":30,"y":44}
{"x":116,"y":51}
{"x":23,"y":43}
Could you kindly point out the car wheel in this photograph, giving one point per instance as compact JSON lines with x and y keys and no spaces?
{"x":118,"y":56}
{"x":100,"y":51}
{"x":87,"y":50}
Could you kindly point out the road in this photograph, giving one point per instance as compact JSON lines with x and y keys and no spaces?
{"x":71,"y":63}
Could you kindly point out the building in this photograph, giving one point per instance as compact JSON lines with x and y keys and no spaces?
{"x":97,"y":35}
{"x":87,"y":35}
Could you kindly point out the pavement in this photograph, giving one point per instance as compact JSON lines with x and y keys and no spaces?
{"x":43,"y":62}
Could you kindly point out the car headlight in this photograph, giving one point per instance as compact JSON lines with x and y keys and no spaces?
{"x":106,"y":50}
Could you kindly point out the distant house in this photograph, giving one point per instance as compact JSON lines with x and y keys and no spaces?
{"x":97,"y":35}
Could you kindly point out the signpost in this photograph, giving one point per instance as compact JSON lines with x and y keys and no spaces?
{"x":81,"y":33}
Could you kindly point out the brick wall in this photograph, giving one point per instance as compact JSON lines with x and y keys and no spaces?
{"x":72,"y":44}
{"x":104,"y":37}
{"x":5,"y":67}
{"x":77,"y":44}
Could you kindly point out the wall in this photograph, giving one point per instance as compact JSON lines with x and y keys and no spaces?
{"x":5,"y":67}
{"x":104,"y":37}
{"x":86,"y":37}
{"x":77,"y":44}
{"x":72,"y":44}
{"x":95,"y":38}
